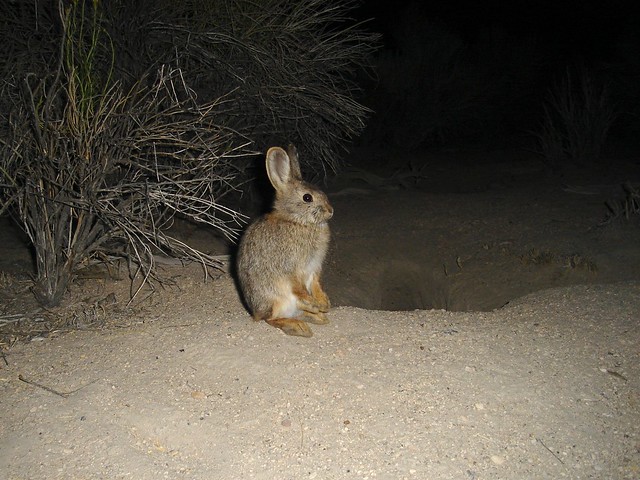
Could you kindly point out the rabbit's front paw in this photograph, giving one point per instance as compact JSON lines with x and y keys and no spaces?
{"x":320,"y":298}
{"x":323,"y":303}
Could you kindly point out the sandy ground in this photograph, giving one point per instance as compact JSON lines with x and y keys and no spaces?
{"x":545,"y":388}
{"x":503,"y":384}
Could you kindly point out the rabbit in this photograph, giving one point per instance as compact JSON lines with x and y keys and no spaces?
{"x":280,"y":255}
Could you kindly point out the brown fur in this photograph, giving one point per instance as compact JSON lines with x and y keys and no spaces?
{"x":281,"y":254}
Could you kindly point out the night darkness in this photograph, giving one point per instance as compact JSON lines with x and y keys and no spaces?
{"x":579,"y":27}
{"x":510,"y":54}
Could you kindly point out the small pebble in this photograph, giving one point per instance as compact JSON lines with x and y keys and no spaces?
{"x":497,"y":459}
{"x":286,"y":422}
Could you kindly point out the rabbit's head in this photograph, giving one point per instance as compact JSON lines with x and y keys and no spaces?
{"x":295,"y":199}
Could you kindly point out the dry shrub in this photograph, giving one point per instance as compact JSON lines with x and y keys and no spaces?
{"x":577,"y":117}
{"x":92,"y":169}
{"x":291,"y":66}
{"x":627,"y":207}
{"x":120,"y":115}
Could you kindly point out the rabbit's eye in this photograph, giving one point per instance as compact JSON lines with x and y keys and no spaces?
{"x":307,"y":197}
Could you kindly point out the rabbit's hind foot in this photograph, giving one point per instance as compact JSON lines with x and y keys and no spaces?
{"x":291,"y":326}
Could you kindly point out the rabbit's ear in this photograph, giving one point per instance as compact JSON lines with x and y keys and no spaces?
{"x":281,"y":169}
{"x":295,"y":164}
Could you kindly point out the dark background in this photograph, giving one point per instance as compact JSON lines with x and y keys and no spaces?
{"x":468,"y":72}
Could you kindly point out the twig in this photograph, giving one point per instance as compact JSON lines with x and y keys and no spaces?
{"x":7,"y":319}
{"x":550,"y":451}
{"x":617,"y":375}
{"x":51,"y":390}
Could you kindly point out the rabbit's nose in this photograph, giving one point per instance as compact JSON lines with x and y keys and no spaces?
{"x":329,"y":211}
